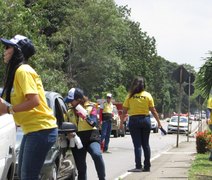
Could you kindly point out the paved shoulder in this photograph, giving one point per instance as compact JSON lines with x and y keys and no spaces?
{"x":173,"y":164}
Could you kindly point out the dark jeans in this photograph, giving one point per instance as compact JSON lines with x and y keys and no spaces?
{"x":105,"y":133}
{"x":139,"y":127}
{"x":80,"y":160}
{"x":33,"y":151}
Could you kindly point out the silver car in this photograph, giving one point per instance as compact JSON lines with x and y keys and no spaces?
{"x":173,"y":125}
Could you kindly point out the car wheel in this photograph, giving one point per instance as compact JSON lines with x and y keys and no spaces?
{"x":116,"y":133}
{"x":122,"y":133}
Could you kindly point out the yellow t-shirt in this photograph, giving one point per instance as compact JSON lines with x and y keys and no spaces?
{"x":210,"y":107}
{"x":107,"y":107}
{"x":139,"y":104}
{"x":82,"y":124}
{"x":27,"y":81}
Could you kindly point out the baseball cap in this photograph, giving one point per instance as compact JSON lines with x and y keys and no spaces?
{"x":74,"y":94}
{"x":109,"y":95}
{"x":21,"y":42}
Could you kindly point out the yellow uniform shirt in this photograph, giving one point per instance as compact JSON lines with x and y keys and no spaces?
{"x":107,"y":107}
{"x":27,"y":81}
{"x":209,"y":106}
{"x":139,"y":104}
{"x":82,"y":124}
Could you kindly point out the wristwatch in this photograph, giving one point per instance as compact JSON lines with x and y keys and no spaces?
{"x":10,"y":110}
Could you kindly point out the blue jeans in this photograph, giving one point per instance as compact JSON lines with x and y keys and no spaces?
{"x":105,"y":133}
{"x":140,"y":127}
{"x":80,"y":159}
{"x":33,"y":151}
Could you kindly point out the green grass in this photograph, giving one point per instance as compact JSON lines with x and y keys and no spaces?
{"x":201,"y":168}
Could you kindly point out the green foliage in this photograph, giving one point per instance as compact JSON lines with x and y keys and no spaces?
{"x":91,"y":44}
{"x":204,"y":78}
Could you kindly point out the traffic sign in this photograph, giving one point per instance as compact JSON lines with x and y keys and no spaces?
{"x":186,"y":89}
{"x":180,"y":74}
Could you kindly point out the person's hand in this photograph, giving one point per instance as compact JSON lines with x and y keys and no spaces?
{"x":3,"y":107}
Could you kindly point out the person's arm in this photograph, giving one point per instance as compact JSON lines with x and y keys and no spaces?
{"x":155,"y":114}
{"x":123,"y":117}
{"x":208,"y":112}
{"x":100,"y":115}
{"x":32,"y":100}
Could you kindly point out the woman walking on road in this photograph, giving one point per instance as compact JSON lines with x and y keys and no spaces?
{"x":24,"y":91}
{"x":137,"y":104}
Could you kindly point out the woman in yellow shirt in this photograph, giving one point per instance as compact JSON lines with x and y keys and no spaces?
{"x":87,"y":132}
{"x":24,"y":91}
{"x":137,"y":104}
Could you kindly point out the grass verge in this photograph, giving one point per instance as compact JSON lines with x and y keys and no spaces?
{"x":201,"y":168}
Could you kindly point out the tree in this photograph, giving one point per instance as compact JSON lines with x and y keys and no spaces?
{"x":204,"y":78}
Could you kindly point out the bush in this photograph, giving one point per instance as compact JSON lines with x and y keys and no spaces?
{"x":203,"y":141}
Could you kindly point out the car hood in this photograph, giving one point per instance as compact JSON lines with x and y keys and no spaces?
{"x":176,"y":123}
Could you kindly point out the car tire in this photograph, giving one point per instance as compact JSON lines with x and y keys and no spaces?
{"x":122,"y":133}
{"x":116,"y":133}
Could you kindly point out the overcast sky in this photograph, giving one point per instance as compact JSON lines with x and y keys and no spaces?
{"x":182,"y":28}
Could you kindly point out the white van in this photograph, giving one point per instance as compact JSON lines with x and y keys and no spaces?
{"x":7,"y":147}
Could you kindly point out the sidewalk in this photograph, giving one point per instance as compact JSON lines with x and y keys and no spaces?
{"x":173,"y":164}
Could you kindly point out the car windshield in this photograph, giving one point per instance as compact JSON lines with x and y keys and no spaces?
{"x":182,"y":119}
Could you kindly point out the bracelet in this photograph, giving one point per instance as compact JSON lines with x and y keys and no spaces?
{"x":10,"y":110}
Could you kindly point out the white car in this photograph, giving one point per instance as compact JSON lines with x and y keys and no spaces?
{"x":173,"y":125}
{"x":154,"y":124}
{"x":7,"y":146}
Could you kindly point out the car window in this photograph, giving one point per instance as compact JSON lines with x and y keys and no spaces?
{"x":183,"y":120}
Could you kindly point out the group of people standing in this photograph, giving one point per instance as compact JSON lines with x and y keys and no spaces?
{"x":24,"y":92}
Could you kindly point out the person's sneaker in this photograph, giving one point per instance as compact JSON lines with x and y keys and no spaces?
{"x":146,"y":170}
{"x":135,"y":170}
{"x":107,"y":151}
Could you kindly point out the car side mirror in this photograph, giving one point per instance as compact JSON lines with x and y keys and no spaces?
{"x":67,"y":127}
{"x":168,"y":120}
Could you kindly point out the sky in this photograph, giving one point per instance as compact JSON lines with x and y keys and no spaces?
{"x":182,"y":28}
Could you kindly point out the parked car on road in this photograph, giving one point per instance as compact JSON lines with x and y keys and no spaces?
{"x":59,"y":162}
{"x":7,"y":146}
{"x":116,"y":131}
{"x":154,"y":124}
{"x":173,"y":125}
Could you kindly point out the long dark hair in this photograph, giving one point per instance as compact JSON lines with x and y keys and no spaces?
{"x":16,"y":60}
{"x":137,"y":86}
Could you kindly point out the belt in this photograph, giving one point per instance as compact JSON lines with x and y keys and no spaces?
{"x":140,"y":115}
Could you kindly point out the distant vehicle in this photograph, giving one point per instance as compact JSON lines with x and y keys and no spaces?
{"x":116,"y":131}
{"x":154,"y":124}
{"x":173,"y":125}
{"x":7,"y":146}
{"x":59,"y":162}
{"x":192,"y":117}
